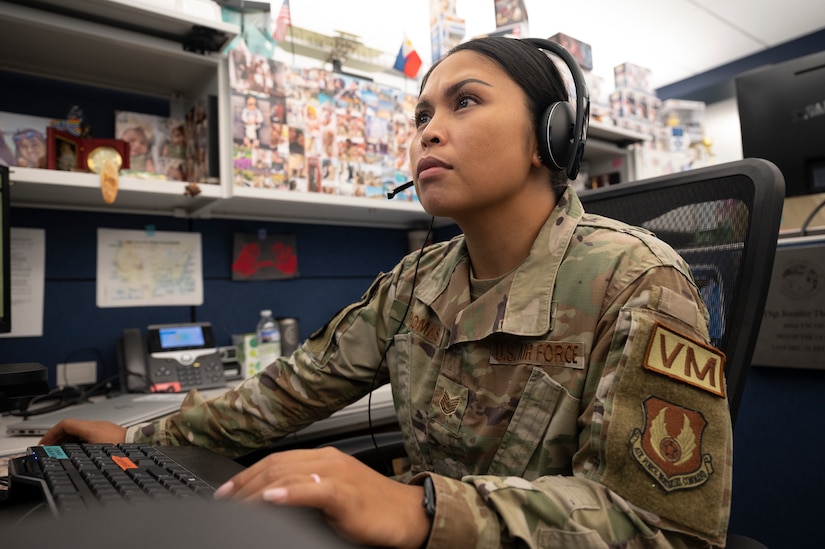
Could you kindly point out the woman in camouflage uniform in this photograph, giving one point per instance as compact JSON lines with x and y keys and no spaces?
{"x":550,"y":368}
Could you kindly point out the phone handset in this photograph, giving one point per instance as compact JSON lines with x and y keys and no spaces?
{"x":133,"y":361}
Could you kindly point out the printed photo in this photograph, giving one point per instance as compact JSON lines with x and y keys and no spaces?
{"x":146,"y":135}
{"x":23,"y":140}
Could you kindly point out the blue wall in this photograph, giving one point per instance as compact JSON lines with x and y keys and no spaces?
{"x":336,"y":265}
{"x":778,"y":443}
{"x":778,"y":448}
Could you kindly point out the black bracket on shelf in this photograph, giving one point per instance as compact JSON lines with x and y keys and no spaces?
{"x":203,"y":40}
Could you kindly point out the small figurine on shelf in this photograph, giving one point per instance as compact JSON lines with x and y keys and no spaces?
{"x":192,"y":189}
{"x":109,"y":180}
{"x":73,"y":123}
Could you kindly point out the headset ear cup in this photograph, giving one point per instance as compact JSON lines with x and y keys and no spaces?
{"x":555,"y":135}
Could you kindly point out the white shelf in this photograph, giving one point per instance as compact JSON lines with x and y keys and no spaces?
{"x":607,"y":145}
{"x":156,"y":17}
{"x":66,"y":48}
{"x":609,"y":149}
{"x":81,"y":191}
{"x":619,"y":137}
{"x":55,"y":189}
{"x":298,"y":207}
{"x":596,"y":151}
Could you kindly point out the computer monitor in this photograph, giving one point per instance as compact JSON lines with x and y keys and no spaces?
{"x":5,"y":252}
{"x":782,"y":119}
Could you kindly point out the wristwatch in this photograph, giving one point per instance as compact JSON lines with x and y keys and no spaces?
{"x":429,"y":497}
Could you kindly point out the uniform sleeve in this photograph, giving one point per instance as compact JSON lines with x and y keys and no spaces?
{"x":654,"y":463}
{"x":333,"y":368}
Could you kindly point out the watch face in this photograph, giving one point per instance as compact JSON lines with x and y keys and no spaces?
{"x":99,"y":156}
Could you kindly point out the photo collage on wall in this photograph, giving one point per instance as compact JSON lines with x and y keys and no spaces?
{"x":313,"y":130}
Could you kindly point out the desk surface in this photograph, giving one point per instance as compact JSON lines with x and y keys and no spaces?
{"x":353,"y":417}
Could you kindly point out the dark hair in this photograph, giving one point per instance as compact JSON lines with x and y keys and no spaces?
{"x":530,"y":68}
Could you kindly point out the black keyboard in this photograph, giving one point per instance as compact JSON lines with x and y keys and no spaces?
{"x":76,"y":477}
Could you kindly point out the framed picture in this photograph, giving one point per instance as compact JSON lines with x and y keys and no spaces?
{"x":72,"y":153}
{"x":63,"y":150}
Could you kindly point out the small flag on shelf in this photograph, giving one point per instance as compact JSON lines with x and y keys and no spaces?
{"x":282,"y":22}
{"x":407,"y":60}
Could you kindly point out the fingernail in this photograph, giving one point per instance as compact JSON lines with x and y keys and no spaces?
{"x":224,"y":490}
{"x":275,"y":495}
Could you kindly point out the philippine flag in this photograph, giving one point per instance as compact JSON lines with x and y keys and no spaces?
{"x":408,"y":60}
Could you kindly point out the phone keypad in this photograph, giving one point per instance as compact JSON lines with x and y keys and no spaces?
{"x":197,"y":376}
{"x":171,"y":376}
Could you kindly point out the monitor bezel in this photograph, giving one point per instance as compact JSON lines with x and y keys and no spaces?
{"x":5,"y":250}
{"x":778,"y":107}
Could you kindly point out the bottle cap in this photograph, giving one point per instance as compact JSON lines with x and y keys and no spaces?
{"x":266,"y":312}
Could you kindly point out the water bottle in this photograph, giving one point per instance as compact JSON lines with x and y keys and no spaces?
{"x":269,"y":339}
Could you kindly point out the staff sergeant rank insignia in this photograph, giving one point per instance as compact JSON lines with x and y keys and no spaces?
{"x":670,"y":448}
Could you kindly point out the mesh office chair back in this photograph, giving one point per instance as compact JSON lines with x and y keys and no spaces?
{"x":724,"y":220}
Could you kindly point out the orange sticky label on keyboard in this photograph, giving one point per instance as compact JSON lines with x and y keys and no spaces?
{"x":124,"y":463}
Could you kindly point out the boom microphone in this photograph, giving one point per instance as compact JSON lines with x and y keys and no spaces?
{"x":399,"y":189}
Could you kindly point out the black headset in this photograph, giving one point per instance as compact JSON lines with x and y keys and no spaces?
{"x":561,"y":132}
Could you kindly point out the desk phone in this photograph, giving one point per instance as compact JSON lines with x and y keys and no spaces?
{"x":171,"y":358}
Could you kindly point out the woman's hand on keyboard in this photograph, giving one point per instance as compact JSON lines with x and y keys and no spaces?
{"x":362,"y":505}
{"x":82,"y":430}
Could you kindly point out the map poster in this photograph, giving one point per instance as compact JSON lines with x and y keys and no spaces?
{"x":148,"y":268}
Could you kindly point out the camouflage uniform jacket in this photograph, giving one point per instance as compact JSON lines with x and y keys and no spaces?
{"x":575,"y":403}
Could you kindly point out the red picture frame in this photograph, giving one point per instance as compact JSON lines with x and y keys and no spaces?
{"x":71,"y":153}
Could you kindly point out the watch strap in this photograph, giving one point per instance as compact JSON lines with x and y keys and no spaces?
{"x":429,"y":497}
